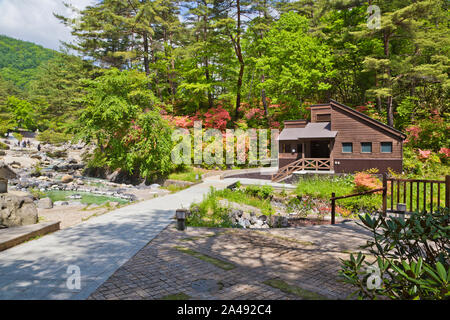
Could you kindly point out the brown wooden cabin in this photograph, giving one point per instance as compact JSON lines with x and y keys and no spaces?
{"x":338,"y":139}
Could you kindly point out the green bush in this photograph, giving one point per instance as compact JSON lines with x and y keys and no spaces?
{"x":262,"y":192}
{"x":322,"y":187}
{"x":208,"y":213}
{"x":412,"y":258}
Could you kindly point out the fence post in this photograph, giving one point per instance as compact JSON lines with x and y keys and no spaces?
{"x":447,"y":191}
{"x":384,"y":194}
{"x":333,"y":208}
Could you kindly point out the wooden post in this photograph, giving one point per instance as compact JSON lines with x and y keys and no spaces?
{"x":333,"y":208}
{"x":447,"y":191}
{"x":384,"y":194}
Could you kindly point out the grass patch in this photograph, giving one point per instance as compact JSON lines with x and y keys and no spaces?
{"x":209,"y":213}
{"x":218,"y":263}
{"x":189,"y":174}
{"x":242,"y":197}
{"x":86,"y":198}
{"x":176,"y":296}
{"x":295,"y":290}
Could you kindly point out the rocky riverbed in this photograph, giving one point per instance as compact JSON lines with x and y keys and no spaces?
{"x":58,"y":171}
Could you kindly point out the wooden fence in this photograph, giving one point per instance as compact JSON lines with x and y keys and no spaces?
{"x":416,"y":195}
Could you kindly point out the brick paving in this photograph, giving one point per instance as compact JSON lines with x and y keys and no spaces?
{"x":306,"y":257}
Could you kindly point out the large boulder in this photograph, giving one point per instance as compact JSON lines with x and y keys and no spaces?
{"x":17,"y":210}
{"x":45,"y":203}
{"x":6,"y":172}
{"x":67,"y":178}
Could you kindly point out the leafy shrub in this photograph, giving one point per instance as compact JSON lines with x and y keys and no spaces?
{"x":411,"y":258}
{"x":365,"y":181}
{"x":262,"y":192}
{"x":208,"y":213}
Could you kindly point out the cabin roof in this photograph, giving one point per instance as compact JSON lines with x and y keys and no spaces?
{"x":368,"y":119}
{"x":311,"y":130}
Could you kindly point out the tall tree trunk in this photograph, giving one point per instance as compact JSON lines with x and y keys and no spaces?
{"x":240,"y":58}
{"x":390,"y":109}
{"x":146,"y":60}
{"x":207,"y":75}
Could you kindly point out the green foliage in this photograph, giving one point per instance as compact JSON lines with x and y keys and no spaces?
{"x":411,"y":256}
{"x":128,"y":134}
{"x":263,"y":192}
{"x":208,"y":213}
{"x":19,"y":59}
{"x":322,"y":187}
{"x":23,"y":113}
{"x":187,"y":174}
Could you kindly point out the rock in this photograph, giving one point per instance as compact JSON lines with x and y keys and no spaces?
{"x":243,"y":223}
{"x":2,"y":153}
{"x":15,"y":165}
{"x":61,"y":203}
{"x":278,"y":221}
{"x":155,"y":186}
{"x":75,"y":196}
{"x":17,"y":210}
{"x":45,"y":203}
{"x":263,"y":218}
{"x":67,"y":178}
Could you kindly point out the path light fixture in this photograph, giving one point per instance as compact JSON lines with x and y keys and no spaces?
{"x":401,"y":210}
{"x":180,"y":214}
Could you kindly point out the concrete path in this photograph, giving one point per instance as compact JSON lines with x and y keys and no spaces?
{"x":39,"y":269}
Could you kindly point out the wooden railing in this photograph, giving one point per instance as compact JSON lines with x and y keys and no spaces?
{"x":437,"y":197}
{"x":301,"y":164}
{"x":417,"y":195}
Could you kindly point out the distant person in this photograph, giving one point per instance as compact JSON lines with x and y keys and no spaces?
{"x":39,"y":147}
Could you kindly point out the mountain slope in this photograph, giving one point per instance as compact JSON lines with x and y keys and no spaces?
{"x":20,"y":59}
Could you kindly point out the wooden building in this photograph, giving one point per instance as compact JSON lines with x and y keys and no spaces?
{"x":338,"y":139}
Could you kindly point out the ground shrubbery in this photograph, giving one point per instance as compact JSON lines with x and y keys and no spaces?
{"x":323,"y":187}
{"x":209,"y":213}
{"x":411,"y":258}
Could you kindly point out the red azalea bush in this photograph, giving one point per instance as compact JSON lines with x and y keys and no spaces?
{"x":365,"y":181}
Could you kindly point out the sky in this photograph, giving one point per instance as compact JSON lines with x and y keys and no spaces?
{"x":33,"y":20}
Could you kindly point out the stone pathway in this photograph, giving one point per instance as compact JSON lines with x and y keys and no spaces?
{"x":202,"y":263}
{"x":99,"y":246}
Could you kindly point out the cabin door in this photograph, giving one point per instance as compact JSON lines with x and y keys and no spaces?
{"x":320,"y":149}
{"x":299,"y":150}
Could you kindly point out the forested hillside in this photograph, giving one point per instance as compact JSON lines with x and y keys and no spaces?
{"x":20,"y":59}
{"x":239,"y":63}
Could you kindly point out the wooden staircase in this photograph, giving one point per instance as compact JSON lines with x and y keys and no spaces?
{"x":301,"y":164}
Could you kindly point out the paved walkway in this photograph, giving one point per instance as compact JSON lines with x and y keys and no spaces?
{"x":202,"y":263}
{"x":99,"y":246}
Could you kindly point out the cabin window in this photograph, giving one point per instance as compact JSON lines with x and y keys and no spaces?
{"x":323,"y":117}
{"x":366,"y":147}
{"x":347,"y":147}
{"x":386,"y":147}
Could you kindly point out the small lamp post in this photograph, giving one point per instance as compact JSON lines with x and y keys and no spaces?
{"x":401,"y":210}
{"x":180,"y":214}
